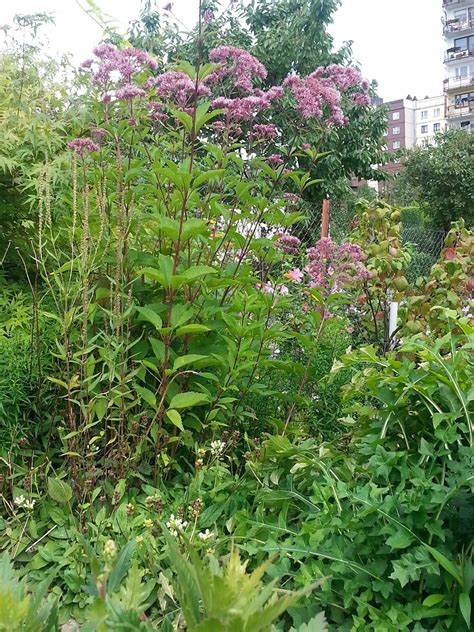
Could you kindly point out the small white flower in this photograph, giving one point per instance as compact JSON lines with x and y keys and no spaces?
{"x":217,"y":448}
{"x":175,"y":525}
{"x":23,"y":503}
{"x":206,"y":535}
{"x":19,"y":501}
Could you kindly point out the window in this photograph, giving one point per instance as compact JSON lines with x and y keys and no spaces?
{"x":437,"y":127}
{"x":396,"y":130}
{"x":464,"y":43}
{"x":437,"y":112}
{"x":425,"y":142}
{"x":396,"y":144}
{"x":461,"y":71}
{"x":424,"y":129}
{"x":396,"y":116}
{"x":462,"y":100}
{"x":424,"y":114}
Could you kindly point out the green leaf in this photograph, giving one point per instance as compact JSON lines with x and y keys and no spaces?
{"x":191,"y":275}
{"x":59,"y":490}
{"x":316,"y":624}
{"x":446,"y":564}
{"x":400,"y":540}
{"x":465,"y":607}
{"x":100,"y":407}
{"x":189,"y":399}
{"x":146,"y":395}
{"x":187,"y":359}
{"x":192,"y":329}
{"x":151,"y":316}
{"x":121,"y":566}
{"x":158,"y":348}
{"x":175,"y":419}
{"x":432,"y":600}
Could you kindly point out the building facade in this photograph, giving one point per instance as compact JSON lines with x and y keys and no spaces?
{"x":400,"y":129}
{"x":458,"y":29}
{"x":429,"y":119}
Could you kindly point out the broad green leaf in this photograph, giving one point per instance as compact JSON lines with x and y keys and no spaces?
{"x":194,"y":273}
{"x":175,"y":418}
{"x":121,"y":566}
{"x":151,"y":316}
{"x":158,"y":348}
{"x":187,"y":359}
{"x":100,"y":407}
{"x":446,"y":564}
{"x":465,"y":607}
{"x":188,"y":400}
{"x":433,"y":600}
{"x":147,"y":395}
{"x":59,"y":490}
{"x":400,"y":540}
{"x":192,"y":329}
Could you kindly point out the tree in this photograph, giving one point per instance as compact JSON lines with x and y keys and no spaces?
{"x":442,"y":178}
{"x":287,"y":36}
{"x":31,"y":104}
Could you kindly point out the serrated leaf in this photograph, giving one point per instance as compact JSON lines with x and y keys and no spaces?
{"x":175,"y":419}
{"x":316,"y":624}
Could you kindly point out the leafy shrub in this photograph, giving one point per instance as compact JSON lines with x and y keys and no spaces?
{"x":318,"y":406}
{"x":19,"y":609}
{"x":25,"y":343}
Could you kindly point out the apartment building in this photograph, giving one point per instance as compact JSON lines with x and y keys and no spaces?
{"x":401,"y":129}
{"x":429,"y":119}
{"x":458,"y":30}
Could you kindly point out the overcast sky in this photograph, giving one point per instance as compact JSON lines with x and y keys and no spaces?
{"x":397,"y":42}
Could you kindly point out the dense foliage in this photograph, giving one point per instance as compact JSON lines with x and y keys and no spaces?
{"x":441,"y":176}
{"x":288,"y":36}
{"x":208,"y":422}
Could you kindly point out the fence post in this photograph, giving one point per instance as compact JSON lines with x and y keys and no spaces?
{"x":325,"y":220}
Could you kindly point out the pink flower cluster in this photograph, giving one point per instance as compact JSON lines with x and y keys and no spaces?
{"x":333,"y":266}
{"x":126,"y":62}
{"x":238,"y":64}
{"x":177,"y":87}
{"x":291,"y":197}
{"x":295,"y":275}
{"x":155,"y":109}
{"x":262,"y":131}
{"x":129,"y":91}
{"x":268,"y":288}
{"x":244,"y":108}
{"x":320,"y":93}
{"x":289,"y":244}
{"x":275,"y":160}
{"x":81,"y":146}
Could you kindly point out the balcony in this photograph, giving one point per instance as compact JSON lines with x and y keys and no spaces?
{"x":456,"y":54}
{"x":455,"y":83}
{"x":458,"y":26}
{"x":458,"y":113}
{"x":455,"y":3}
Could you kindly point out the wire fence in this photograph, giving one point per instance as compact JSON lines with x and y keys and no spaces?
{"x":425,"y":243}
